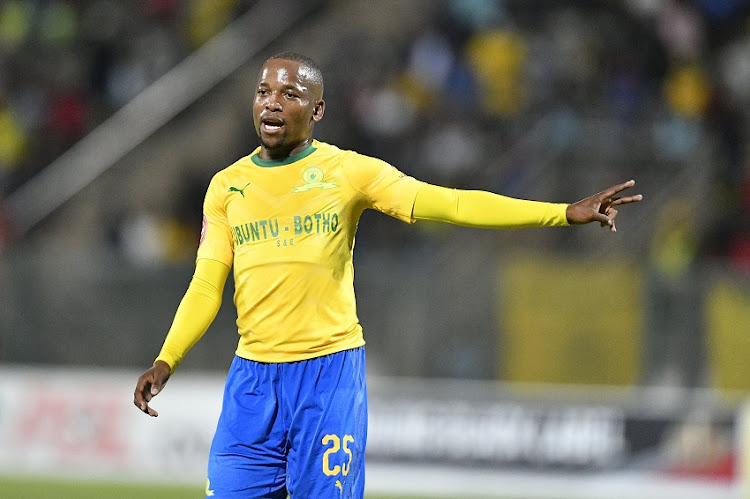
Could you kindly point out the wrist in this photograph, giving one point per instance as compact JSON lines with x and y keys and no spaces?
{"x":163,"y":365}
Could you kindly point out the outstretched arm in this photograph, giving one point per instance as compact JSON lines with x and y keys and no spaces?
{"x":487,"y":210}
{"x":197,"y":310}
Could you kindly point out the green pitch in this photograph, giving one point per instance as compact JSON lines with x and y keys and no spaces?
{"x":16,"y":488}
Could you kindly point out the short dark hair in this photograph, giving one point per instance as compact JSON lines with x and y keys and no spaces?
{"x":316,"y":74}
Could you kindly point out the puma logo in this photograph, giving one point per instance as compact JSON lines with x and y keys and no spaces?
{"x":241,"y":191}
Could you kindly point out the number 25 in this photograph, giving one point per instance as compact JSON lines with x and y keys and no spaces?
{"x":335,"y":445}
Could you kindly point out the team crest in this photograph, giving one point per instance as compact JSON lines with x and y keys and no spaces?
{"x":313,"y":179}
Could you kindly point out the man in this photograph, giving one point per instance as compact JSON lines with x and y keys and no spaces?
{"x":294,"y":415}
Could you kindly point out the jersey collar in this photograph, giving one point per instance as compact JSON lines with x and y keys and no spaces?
{"x":270,"y":163}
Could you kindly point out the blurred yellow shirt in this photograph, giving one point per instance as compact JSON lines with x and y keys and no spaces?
{"x":288,"y":228}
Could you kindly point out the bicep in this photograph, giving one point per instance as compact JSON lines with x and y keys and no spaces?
{"x":383,"y":187}
{"x":216,"y":242}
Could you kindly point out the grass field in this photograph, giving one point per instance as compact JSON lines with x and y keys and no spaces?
{"x":13,"y":488}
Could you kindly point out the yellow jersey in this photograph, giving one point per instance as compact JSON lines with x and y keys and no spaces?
{"x":287,"y":227}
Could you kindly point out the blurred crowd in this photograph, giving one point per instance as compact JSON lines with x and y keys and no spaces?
{"x":66,"y":65}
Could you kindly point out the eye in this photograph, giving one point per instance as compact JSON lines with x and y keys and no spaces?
{"x":261,"y":91}
{"x":291,"y":95}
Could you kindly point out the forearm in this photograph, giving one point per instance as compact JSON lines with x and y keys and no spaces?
{"x":196,"y":311}
{"x":485,"y":209}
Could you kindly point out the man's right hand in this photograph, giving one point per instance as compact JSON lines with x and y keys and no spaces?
{"x":149,"y":385}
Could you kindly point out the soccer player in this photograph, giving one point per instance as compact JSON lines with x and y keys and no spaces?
{"x":294,"y":413}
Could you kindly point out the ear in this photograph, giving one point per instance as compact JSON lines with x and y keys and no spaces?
{"x":319,"y":110}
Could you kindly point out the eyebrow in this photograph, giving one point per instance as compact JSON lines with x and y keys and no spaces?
{"x":287,"y":86}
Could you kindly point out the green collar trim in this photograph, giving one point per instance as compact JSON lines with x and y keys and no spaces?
{"x":270,"y":163}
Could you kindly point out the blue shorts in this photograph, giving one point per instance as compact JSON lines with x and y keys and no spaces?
{"x":298,"y":428}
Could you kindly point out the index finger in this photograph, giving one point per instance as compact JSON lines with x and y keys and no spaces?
{"x":608,"y":193}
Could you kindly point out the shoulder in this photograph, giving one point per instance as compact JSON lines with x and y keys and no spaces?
{"x":228,"y":176}
{"x":352,"y":162}
{"x":330,"y":151}
{"x":355,"y":167}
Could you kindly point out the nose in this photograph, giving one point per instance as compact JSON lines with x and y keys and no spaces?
{"x":273,"y":104}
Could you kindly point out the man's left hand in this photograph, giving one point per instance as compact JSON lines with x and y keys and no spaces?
{"x":601,"y":207}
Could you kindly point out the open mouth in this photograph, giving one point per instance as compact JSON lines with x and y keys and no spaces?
{"x":271,"y":124}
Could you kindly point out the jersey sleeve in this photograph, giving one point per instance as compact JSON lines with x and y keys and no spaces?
{"x":485,"y":209}
{"x":216,"y":236}
{"x":384,"y":187}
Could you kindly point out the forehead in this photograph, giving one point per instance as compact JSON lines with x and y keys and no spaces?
{"x":284,"y":72}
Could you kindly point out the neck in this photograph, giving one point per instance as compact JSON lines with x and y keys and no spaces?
{"x":281,"y":153}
